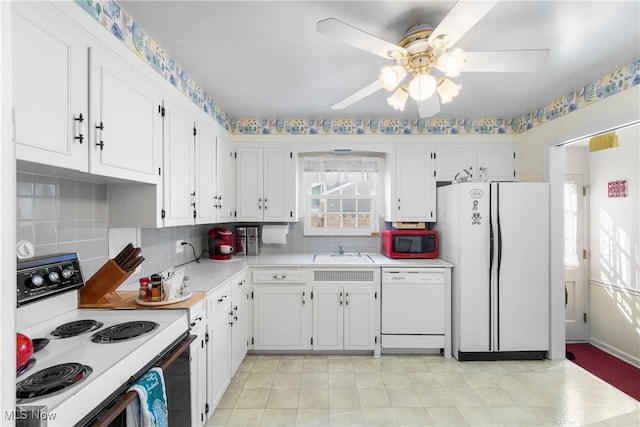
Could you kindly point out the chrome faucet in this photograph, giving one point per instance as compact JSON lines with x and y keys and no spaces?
{"x":341,"y":248}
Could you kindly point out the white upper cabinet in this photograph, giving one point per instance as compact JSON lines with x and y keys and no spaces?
{"x":125,"y":128}
{"x":225,"y":181}
{"x":205,"y":161}
{"x":411,"y":194}
{"x":499,"y":162}
{"x":266,"y":185}
{"x":50,"y":83}
{"x":179,"y":169}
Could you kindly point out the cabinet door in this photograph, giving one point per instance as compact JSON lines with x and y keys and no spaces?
{"x":452,"y":161}
{"x":178,"y":176}
{"x":240,"y":316}
{"x":415,"y":186}
{"x":359,"y":318}
{"x":50,"y":88}
{"x":126,"y":123}
{"x":279,"y":185}
{"x":218,"y":357}
{"x":225,"y":181}
{"x":206,"y":197}
{"x":328,"y":303}
{"x":281,"y":317}
{"x":198,"y":372}
{"x":249,"y":185}
{"x":499,"y":162}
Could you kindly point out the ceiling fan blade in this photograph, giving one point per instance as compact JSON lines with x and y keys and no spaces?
{"x":429,"y":107}
{"x":505,"y":61}
{"x":355,"y":37}
{"x":460,"y":19}
{"x":357,"y":96}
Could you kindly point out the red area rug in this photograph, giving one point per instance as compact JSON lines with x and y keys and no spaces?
{"x":618,"y":373}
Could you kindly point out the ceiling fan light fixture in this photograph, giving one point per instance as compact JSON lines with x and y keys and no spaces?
{"x":391,"y":76}
{"x":451,"y":63}
{"x":422,"y":86}
{"x":447,"y":90}
{"x":399,"y":98}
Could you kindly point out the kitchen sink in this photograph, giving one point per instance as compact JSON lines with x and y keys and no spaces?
{"x":346,"y":258}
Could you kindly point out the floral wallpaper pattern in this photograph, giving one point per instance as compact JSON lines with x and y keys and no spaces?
{"x":115,"y":19}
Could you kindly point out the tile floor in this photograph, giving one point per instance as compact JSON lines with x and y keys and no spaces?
{"x":418,"y":390}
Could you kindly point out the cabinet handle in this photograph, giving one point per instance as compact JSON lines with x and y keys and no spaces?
{"x":398,"y":203}
{"x":240,"y":283}
{"x":78,"y":120}
{"x":303,"y":301}
{"x":340,"y":298}
{"x":100,"y":128}
{"x":265,"y":204}
{"x":235,"y":318}
{"x":346,"y":302}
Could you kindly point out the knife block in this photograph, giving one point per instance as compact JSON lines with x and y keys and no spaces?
{"x":101,"y":287}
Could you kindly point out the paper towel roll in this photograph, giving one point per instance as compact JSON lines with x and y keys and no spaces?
{"x":275,"y":234}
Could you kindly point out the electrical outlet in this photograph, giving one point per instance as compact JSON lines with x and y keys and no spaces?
{"x":179,"y":247}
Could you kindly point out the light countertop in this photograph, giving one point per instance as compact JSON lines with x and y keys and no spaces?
{"x":209,"y":274}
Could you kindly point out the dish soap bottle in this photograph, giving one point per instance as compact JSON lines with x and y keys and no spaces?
{"x":185,"y":288}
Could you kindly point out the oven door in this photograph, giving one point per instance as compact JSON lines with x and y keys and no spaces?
{"x":176,"y":371}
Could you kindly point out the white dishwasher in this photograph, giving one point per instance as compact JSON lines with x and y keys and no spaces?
{"x":414,"y":309}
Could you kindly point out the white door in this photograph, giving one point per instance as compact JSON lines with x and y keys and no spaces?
{"x":198,"y":372}
{"x":206,"y":198}
{"x":574,"y":259}
{"x":50,"y":88}
{"x":249,"y":184}
{"x":520,"y":288}
{"x":280,"y":317}
{"x":359,"y":318}
{"x":239,"y":318}
{"x":125,"y":133}
{"x":499,"y":163}
{"x":218,"y":357}
{"x":415,"y":186}
{"x":279,"y":184}
{"x":225,"y":181}
{"x":178,"y":167}
{"x":328,"y":318}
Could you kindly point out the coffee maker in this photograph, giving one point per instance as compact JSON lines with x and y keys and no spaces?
{"x":220,"y":243}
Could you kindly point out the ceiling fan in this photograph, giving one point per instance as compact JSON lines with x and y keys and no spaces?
{"x":428,"y":56}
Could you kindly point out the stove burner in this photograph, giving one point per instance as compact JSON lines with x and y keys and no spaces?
{"x":30,"y":363}
{"x":52,"y":380}
{"x":74,"y":328}
{"x":123,"y":331}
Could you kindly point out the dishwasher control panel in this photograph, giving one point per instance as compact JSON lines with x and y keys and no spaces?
{"x":409,"y":276}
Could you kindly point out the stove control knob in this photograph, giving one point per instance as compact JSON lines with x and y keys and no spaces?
{"x":54,"y":277}
{"x":36,"y":281}
{"x":67,"y":273}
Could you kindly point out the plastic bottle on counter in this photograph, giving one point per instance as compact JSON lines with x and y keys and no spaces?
{"x":185,"y":288}
{"x":156,"y":288}
{"x":144,"y":294}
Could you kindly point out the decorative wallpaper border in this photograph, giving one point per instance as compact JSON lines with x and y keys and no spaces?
{"x":114,"y":18}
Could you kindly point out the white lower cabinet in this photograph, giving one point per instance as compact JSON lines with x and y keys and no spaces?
{"x":218,"y":344}
{"x":344,"y":318}
{"x":240,"y":319}
{"x":281,"y":317}
{"x":198,"y":351}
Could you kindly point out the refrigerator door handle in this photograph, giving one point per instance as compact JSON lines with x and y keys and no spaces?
{"x":499,"y":264}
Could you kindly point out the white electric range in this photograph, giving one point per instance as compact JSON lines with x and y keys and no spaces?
{"x":72,"y":378}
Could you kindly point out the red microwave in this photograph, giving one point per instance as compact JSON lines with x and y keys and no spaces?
{"x":410,"y":243}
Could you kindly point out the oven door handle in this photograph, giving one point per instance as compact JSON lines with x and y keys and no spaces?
{"x":121,"y":404}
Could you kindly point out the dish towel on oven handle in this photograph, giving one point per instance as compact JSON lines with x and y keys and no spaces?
{"x":150,"y":409}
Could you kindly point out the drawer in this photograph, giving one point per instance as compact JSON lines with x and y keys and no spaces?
{"x":218,"y":299}
{"x":239,"y":285}
{"x":197,"y":315}
{"x":279,"y":276}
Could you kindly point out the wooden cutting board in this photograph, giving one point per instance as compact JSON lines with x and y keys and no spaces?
{"x":128,"y":300}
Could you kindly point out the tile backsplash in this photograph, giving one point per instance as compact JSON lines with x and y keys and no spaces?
{"x":62,"y":212}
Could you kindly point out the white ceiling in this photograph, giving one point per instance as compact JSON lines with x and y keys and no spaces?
{"x":264,"y":59}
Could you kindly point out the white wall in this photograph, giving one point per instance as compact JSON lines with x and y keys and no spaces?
{"x":615,"y":248}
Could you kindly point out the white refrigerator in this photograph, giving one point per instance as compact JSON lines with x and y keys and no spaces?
{"x":497,"y":237}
